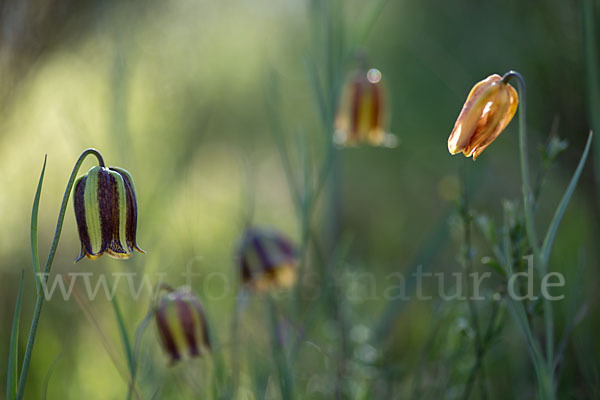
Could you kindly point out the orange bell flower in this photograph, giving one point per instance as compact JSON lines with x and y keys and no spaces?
{"x":489,"y":108}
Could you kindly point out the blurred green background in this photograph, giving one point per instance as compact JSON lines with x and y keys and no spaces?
{"x":180,"y":93}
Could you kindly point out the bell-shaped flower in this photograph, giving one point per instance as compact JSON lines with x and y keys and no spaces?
{"x":489,"y":108}
{"x":361,"y":113}
{"x":106,"y":212}
{"x":182,"y":325}
{"x":267,"y":260}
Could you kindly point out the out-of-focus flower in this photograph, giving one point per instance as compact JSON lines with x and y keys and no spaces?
{"x":106,"y":212}
{"x":489,"y":108}
{"x":361,"y":114}
{"x":267,"y":260}
{"x":182,"y":325}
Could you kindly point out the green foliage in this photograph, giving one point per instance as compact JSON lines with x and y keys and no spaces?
{"x":224,"y":114}
{"x":13,"y":355}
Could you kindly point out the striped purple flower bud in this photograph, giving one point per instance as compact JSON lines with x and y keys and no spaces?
{"x":182,"y":325}
{"x":106,"y":212}
{"x":267,"y":260}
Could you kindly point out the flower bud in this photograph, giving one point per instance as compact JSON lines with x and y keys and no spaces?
{"x":489,"y":108}
{"x":361,"y":114}
{"x":106,"y":212}
{"x":267,"y":260}
{"x":182,"y":325}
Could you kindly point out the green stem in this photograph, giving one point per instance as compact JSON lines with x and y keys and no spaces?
{"x":139,"y":332}
{"x":525,"y":175}
{"x":280,"y":358}
{"x":593,"y":79}
{"x":545,"y":385}
{"x":479,"y":347}
{"x":240,"y":301}
{"x":40,"y":298}
{"x":538,"y":259}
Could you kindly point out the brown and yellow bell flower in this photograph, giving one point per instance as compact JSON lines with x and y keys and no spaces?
{"x":361,"y":113}
{"x":106,"y":212}
{"x":489,"y":108}
{"x":182,"y":325}
{"x":267,"y":260}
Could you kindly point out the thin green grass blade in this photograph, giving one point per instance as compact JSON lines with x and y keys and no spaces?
{"x":371,"y":15}
{"x":124,"y":336}
{"x":49,"y":375}
{"x":13,"y":356}
{"x":139,"y":333}
{"x":53,"y":247}
{"x":34,"y":230}
{"x":322,"y":108}
{"x":431,"y":248}
{"x":517,"y":309}
{"x":589,"y":8}
{"x":560,"y":210}
{"x":280,"y":358}
{"x":279,"y":135}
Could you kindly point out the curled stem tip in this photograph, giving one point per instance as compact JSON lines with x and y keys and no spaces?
{"x":514,"y":74}
{"x":96,"y":154}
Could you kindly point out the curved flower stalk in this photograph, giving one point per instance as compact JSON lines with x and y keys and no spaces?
{"x":267,"y":260}
{"x":362,"y":111}
{"x":42,"y":279}
{"x":489,"y":108}
{"x":182,"y":325}
{"x":105,"y":206}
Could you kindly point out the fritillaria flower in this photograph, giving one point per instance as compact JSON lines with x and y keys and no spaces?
{"x":489,"y":108}
{"x":267,"y":260}
{"x":182,"y":325}
{"x":361,"y":114}
{"x":106,"y":212}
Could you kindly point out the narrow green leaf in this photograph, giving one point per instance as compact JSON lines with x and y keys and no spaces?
{"x":375,"y":9}
{"x":280,"y":358}
{"x":323,"y":109}
{"x":40,"y":299}
{"x":34,"y":229}
{"x":279,"y":135}
{"x":139,"y":333}
{"x":560,"y":210}
{"x":430,"y":249}
{"x":517,"y":310}
{"x":124,"y":336}
{"x":13,"y":356}
{"x":589,"y":14}
{"x":48,"y":375}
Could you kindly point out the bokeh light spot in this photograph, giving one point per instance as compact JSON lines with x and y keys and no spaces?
{"x":374,"y":75}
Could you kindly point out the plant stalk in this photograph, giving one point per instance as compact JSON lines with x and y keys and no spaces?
{"x":528,"y":204}
{"x":40,"y":298}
